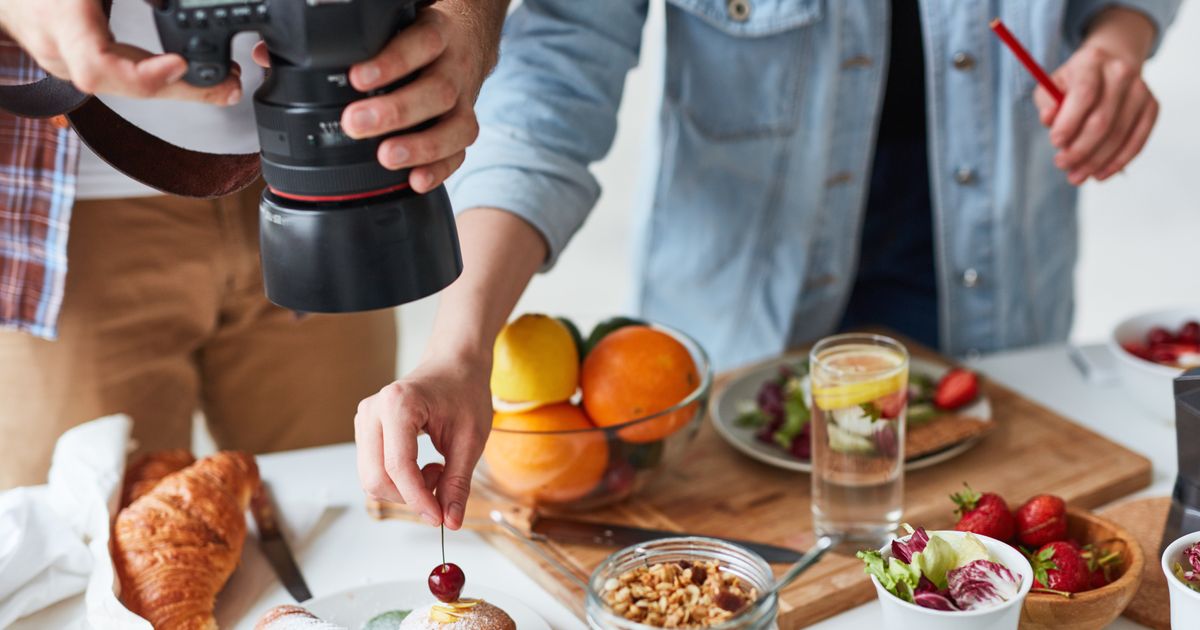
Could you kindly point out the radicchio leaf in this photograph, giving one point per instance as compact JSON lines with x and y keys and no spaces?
{"x":934,"y":600}
{"x":903,"y":551}
{"x":1192,"y":555}
{"x":982,"y":584}
{"x":1189,"y":571}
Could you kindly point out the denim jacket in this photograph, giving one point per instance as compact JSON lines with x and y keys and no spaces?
{"x":750,"y":235}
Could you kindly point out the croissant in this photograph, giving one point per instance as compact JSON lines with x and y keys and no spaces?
{"x":145,"y":473}
{"x":292,"y":618}
{"x":176,"y":546}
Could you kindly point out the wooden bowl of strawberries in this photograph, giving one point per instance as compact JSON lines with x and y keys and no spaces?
{"x":1086,"y":568}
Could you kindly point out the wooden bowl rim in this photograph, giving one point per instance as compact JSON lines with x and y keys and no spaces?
{"x":1132,"y":574}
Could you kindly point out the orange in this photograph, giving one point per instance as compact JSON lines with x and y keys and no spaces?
{"x":635,"y":372}
{"x":546,"y":467}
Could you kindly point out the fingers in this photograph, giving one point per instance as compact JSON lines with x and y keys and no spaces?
{"x":423,"y":179}
{"x":448,"y":137}
{"x":1134,"y":143}
{"x":454,"y":486}
{"x":1131,"y":110}
{"x":368,"y":439}
{"x":1117,"y":77}
{"x":431,"y":95}
{"x":1084,"y":86}
{"x":401,"y":415}
{"x":260,"y":55}
{"x":412,"y":49}
{"x":1046,"y":105}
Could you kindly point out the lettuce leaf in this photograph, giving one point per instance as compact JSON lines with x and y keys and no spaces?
{"x":936,"y":560}
{"x":982,"y":584}
{"x":896,"y":577}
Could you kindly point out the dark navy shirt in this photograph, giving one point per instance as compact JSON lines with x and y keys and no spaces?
{"x":896,"y":285}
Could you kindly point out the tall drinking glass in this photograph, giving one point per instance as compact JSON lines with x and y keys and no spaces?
{"x":859,"y":394}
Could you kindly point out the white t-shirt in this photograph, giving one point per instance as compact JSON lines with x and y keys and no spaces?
{"x":195,"y":126}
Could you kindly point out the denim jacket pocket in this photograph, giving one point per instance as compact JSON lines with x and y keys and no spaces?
{"x":734,"y":67}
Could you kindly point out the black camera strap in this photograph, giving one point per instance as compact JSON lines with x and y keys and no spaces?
{"x":128,"y":148}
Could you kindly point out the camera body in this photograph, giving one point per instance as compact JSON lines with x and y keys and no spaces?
{"x":338,"y":231}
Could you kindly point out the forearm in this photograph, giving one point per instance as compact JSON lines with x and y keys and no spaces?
{"x":501,"y":252}
{"x":484,"y":18}
{"x":1123,"y":32}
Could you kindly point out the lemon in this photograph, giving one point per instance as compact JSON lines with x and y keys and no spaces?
{"x":535,"y":362}
{"x":851,"y":394}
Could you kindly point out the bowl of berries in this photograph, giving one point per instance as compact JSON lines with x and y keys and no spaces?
{"x":1154,"y":348}
{"x":1086,"y":569}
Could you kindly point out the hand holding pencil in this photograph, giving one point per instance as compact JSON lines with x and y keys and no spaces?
{"x":1096,"y":105}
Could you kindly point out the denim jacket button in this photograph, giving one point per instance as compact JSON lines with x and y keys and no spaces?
{"x":739,"y":10}
{"x":964,"y":175}
{"x":970,"y":278}
{"x":963,"y":61}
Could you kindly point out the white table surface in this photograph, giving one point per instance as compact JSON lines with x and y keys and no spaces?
{"x":348,"y":549}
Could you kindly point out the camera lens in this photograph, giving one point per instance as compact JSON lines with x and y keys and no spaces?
{"x":305,"y":153}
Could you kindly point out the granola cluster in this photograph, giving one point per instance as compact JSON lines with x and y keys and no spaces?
{"x":678,"y":594}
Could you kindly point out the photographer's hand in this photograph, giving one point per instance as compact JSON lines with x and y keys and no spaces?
{"x":70,"y":39}
{"x":451,"y":46}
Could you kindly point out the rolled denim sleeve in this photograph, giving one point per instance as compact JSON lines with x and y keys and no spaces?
{"x":549,"y":110}
{"x":1080,"y":14}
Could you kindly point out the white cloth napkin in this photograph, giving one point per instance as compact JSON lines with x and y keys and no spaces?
{"x":54,"y":538}
{"x":44,"y":555}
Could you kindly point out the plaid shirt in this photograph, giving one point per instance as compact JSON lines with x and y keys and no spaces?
{"x":38,"y":162}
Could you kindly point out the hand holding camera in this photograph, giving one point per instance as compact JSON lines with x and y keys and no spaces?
{"x":71,"y":40}
{"x":453,"y":60}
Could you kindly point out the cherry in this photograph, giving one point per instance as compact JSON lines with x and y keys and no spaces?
{"x":446,"y":582}
{"x":1190,"y":333}
{"x":1158,"y":335}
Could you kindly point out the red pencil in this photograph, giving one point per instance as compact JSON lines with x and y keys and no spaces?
{"x":1026,"y":59}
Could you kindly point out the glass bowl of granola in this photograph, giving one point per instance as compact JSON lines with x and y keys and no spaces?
{"x":687,"y":582}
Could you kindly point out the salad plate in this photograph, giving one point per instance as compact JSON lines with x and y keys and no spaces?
{"x":354,"y":607}
{"x":737,"y":398}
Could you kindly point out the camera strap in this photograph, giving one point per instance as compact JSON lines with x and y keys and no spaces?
{"x":128,"y":148}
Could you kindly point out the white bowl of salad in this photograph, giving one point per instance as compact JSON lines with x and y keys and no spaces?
{"x":949,"y":580}
{"x":1181,"y":565}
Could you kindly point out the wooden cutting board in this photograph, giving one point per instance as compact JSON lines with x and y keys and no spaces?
{"x":717,"y":491}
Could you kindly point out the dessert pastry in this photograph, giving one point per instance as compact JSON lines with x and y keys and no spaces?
{"x":464,"y":614}
{"x":176,"y":545}
{"x":292,"y":618}
{"x":145,"y":473}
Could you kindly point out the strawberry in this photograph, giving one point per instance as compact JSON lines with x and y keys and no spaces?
{"x":1058,"y":567}
{"x":1101,"y":563}
{"x":985,"y":514}
{"x":1097,"y":578}
{"x":891,"y":405}
{"x":956,"y":389}
{"x":1041,"y":520}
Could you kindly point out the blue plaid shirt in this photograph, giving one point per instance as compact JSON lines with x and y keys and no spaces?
{"x":38,"y":160}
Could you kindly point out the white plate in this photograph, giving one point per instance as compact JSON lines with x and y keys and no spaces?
{"x":745,"y":387}
{"x":354,"y":607}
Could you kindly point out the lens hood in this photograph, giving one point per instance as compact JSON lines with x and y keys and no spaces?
{"x":355,"y":256}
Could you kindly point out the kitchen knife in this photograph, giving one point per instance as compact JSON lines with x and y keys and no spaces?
{"x":274,"y":547}
{"x":588,"y":533}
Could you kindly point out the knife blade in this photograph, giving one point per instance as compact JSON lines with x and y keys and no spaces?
{"x":274,"y":547}
{"x":604,"y":535}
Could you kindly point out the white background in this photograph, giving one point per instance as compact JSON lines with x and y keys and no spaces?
{"x":1139,"y":230}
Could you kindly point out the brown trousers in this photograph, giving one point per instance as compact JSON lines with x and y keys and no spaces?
{"x":164,"y":314}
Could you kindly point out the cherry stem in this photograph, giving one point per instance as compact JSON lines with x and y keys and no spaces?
{"x":443,"y":544}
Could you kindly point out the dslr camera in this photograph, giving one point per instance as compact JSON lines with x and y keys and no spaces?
{"x":338,"y":231}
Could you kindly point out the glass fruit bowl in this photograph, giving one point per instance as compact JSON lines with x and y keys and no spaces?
{"x":581,"y":469}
